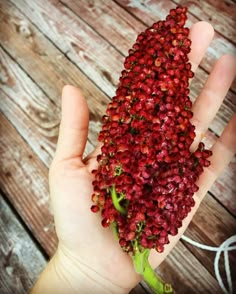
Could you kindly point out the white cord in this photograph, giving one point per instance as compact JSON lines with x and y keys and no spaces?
{"x":225,"y":247}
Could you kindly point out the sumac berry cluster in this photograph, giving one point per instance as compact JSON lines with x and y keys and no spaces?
{"x":145,"y":158}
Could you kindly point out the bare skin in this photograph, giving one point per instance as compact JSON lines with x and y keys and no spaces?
{"x":89,"y":258}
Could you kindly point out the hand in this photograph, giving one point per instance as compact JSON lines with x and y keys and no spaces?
{"x":89,"y":257}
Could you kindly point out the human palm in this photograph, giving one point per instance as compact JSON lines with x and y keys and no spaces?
{"x":82,"y":240}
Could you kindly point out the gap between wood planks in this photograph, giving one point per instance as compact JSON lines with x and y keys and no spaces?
{"x":21,"y":222}
{"x":21,"y":259}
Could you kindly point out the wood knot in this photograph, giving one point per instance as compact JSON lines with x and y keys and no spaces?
{"x":5,"y":78}
{"x":3,"y":74}
{"x":23,"y":28}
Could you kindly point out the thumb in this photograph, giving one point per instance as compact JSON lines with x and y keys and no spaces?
{"x":73,"y":130}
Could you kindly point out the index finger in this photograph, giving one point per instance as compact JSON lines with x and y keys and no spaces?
{"x":201,"y":35}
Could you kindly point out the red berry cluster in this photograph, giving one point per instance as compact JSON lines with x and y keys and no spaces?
{"x":146,"y":137}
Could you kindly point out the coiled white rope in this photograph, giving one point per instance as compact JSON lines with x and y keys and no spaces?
{"x":225,"y":247}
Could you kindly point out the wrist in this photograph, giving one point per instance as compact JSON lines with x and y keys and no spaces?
{"x":65,"y":273}
{"x":81,"y":277}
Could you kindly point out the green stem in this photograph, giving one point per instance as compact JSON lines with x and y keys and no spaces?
{"x":142,"y":267}
{"x":115,"y":230}
{"x":141,"y":255}
{"x":116,"y":201}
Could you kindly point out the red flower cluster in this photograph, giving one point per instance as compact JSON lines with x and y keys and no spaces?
{"x":146,"y":166}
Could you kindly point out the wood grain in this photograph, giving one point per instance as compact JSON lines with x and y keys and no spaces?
{"x":20,"y":259}
{"x":82,"y":45}
{"x":29,"y":110}
{"x":25,"y":182}
{"x":187,"y":274}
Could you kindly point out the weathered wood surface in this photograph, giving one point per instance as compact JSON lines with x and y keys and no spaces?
{"x":20,"y":260}
{"x":46,"y":44}
{"x":24,"y":181}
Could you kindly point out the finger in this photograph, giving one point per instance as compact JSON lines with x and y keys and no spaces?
{"x":223,"y":151}
{"x":74,"y":125}
{"x":201,"y":35}
{"x":210,"y":99}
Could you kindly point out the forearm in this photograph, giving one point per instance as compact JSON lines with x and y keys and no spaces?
{"x":63,"y":276}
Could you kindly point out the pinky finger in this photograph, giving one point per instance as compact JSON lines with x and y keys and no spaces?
{"x":223,"y":151}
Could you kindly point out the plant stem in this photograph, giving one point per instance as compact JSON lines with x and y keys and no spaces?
{"x":115,"y":230}
{"x":140,"y":257}
{"x":142,"y":267}
{"x":116,"y":201}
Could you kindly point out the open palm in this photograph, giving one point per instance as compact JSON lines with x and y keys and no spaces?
{"x":82,"y":240}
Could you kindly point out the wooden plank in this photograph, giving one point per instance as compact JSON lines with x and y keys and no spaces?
{"x":31,"y":111}
{"x":61,"y":70}
{"x":51,"y":71}
{"x":211,"y":225}
{"x":186,"y":273}
{"x":112,"y":22}
{"x":24,"y":179}
{"x":221,"y":14}
{"x":20,"y":259}
{"x":151,"y":11}
{"x":76,"y":40}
